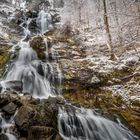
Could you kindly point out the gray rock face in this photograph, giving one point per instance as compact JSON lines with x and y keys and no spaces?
{"x":13,"y":85}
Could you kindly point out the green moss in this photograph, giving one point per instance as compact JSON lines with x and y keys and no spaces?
{"x":132,"y":118}
{"x":4,"y":58}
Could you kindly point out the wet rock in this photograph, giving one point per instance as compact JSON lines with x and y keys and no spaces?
{"x":4,"y":58}
{"x":38,"y":44}
{"x":0,"y":120}
{"x":0,"y":130}
{"x":33,"y":26}
{"x":32,"y":14}
{"x":4,"y":100}
{"x":14,"y":85}
{"x":23,"y":138}
{"x":58,"y":137}
{"x":23,"y":118}
{"x":95,"y":80}
{"x":41,"y":133}
{"x":55,"y":100}
{"x":41,"y":118}
{"x":3,"y":137}
{"x":10,"y":108}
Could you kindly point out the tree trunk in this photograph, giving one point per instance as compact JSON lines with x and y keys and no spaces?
{"x":106,"y":24}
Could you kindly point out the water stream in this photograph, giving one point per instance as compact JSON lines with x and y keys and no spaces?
{"x":5,"y":126}
{"x":84,"y":124}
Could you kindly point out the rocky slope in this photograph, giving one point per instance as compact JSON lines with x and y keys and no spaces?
{"x":90,"y":78}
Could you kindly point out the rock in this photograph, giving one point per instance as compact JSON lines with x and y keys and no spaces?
{"x":13,"y":85}
{"x":0,"y":120}
{"x":38,"y":44}
{"x":58,"y":137}
{"x":55,"y":100}
{"x":10,"y":108}
{"x":0,"y":130}
{"x":3,"y":137}
{"x":4,"y":58}
{"x":33,"y":5}
{"x":38,"y":121}
{"x":41,"y":133}
{"x":95,"y":80}
{"x":23,"y":138}
{"x":33,"y":26}
{"x":23,"y":118}
{"x":4,"y":99}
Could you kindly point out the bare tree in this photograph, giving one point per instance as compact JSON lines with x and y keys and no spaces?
{"x":107,"y":28}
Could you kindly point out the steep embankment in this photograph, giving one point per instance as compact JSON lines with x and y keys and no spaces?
{"x":50,"y":50}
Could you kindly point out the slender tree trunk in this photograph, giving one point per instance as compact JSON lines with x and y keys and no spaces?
{"x":118,"y":24}
{"x":107,"y":28}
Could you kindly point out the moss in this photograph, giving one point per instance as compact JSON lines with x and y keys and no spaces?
{"x":135,"y":103}
{"x":95,"y":98}
{"x":132,"y":118}
{"x":38,"y":44}
{"x":4,"y":58}
{"x":41,"y":133}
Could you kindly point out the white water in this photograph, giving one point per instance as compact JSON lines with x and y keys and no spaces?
{"x":84,"y":124}
{"x":45,"y":21}
{"x":5,"y":126}
{"x":81,"y":125}
{"x":25,"y":69}
{"x":27,"y":66}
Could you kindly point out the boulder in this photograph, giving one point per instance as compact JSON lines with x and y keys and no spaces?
{"x":3,"y":137}
{"x":13,"y":85}
{"x":23,"y":118}
{"x":38,"y":44}
{"x":39,"y":122}
{"x":4,"y":100}
{"x":10,"y":108}
{"x":41,"y":133}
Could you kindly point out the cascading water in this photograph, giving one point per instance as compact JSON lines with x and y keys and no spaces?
{"x":5,"y":127}
{"x":84,"y":124}
{"x":45,"y":21}
{"x":25,"y":69}
{"x":37,"y":78}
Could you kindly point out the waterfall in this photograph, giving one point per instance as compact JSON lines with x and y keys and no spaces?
{"x":35,"y":74}
{"x":45,"y":21}
{"x":5,"y":128}
{"x":85,"y":124}
{"x":38,"y":80}
{"x":26,"y":69}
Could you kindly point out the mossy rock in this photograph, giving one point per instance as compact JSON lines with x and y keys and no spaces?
{"x":41,"y":133}
{"x":38,"y":44}
{"x":132,"y":117}
{"x":4,"y":58}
